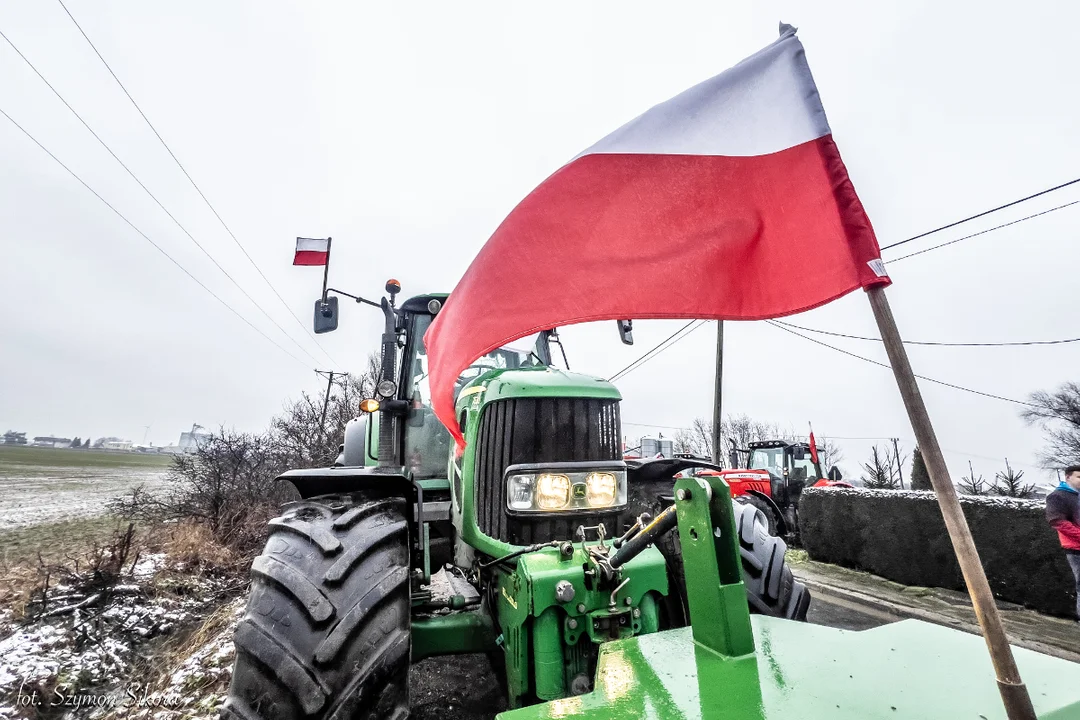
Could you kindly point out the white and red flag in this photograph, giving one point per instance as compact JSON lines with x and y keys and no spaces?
{"x":312,"y":251}
{"x":728,"y":201}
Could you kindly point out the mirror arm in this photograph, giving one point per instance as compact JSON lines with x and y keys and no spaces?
{"x":357,"y":298}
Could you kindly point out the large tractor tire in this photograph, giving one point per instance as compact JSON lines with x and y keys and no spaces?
{"x":772,"y":521}
{"x":771,"y":589}
{"x":326,"y":634}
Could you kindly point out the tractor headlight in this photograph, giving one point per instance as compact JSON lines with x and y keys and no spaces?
{"x":600,"y":489}
{"x":552,"y":491}
{"x":532,"y":489}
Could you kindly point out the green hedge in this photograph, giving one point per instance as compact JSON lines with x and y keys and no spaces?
{"x":900,"y":535}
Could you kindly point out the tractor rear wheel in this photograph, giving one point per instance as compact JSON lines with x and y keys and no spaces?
{"x":327,"y":630}
{"x":771,"y":589}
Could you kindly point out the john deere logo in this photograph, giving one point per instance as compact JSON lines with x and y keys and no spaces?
{"x":579,"y":491}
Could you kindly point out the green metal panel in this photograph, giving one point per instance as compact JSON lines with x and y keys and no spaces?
{"x":714,"y":588}
{"x":464,"y":632}
{"x":908,"y":670}
{"x":527,"y":604}
{"x":548,"y":655}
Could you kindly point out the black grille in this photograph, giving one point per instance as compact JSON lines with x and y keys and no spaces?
{"x":540,"y":430}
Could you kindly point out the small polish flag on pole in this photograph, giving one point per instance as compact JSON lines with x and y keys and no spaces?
{"x":312,"y":251}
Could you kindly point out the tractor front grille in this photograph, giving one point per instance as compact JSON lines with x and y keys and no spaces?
{"x":540,"y":430}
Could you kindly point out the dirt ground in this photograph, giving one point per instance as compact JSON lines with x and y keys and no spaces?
{"x":461,"y":687}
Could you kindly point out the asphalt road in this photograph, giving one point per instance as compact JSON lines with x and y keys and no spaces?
{"x":463,"y":687}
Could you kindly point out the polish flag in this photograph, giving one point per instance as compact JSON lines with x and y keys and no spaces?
{"x":311,"y":251}
{"x":729,"y":201}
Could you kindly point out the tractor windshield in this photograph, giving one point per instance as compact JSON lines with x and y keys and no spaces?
{"x":777,"y":459}
{"x":805,"y":468}
{"x":427,"y":442}
{"x":771,"y":459}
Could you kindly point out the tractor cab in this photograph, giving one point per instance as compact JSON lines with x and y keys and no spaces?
{"x":773,"y":477}
{"x":790,"y":465}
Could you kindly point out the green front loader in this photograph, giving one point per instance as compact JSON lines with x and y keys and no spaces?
{"x":598,"y":587}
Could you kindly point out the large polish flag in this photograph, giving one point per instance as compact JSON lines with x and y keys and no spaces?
{"x":728,"y":201}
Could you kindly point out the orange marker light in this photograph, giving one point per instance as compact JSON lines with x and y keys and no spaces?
{"x":369,"y":405}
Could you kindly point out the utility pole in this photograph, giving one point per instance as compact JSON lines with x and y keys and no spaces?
{"x":899,"y":467}
{"x":718,"y":392}
{"x":1014,"y":693}
{"x":326,"y":401}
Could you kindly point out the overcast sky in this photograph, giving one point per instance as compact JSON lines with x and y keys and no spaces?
{"x":408,"y":135}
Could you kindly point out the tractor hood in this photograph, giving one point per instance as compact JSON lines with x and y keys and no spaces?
{"x":530,"y":383}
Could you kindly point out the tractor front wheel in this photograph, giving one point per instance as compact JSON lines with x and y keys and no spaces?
{"x":327,"y":631}
{"x":771,"y":589}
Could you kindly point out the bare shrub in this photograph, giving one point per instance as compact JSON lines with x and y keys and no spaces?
{"x":228,"y":483}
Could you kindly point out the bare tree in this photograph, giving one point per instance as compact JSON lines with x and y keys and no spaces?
{"x":971,"y":484}
{"x":831,"y":454}
{"x":297,"y":432}
{"x":1010,"y":483}
{"x":879,"y":471}
{"x":740,"y":429}
{"x":1058,"y":414}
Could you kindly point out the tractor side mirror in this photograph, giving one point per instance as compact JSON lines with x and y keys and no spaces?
{"x":733,"y":459}
{"x":626,"y":331}
{"x":835,"y":475}
{"x":326,"y":315}
{"x":798,"y":453}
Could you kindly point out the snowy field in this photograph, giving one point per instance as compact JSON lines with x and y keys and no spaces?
{"x":46,"y":485}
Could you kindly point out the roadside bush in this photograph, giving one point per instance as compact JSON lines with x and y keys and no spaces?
{"x":900,"y":535}
{"x":228,"y":484}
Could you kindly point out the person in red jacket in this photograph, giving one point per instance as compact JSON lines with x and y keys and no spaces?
{"x":1063,"y":514}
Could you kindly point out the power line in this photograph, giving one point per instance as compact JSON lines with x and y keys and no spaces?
{"x":885,"y":365}
{"x":154,"y":198}
{"x":195,"y":185}
{"x":147,"y":238}
{"x":654,"y":425}
{"x":984,"y":213}
{"x":934,"y":344}
{"x":656,"y":350}
{"x":983,"y":232}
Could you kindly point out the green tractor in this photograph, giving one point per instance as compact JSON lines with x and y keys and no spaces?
{"x":536,"y":545}
{"x":599,"y":588}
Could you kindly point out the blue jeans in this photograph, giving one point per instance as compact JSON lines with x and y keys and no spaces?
{"x":1074,"y":562}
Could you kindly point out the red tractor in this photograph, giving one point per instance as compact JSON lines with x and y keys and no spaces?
{"x":776,"y":471}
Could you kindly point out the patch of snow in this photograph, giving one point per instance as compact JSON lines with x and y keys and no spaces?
{"x":148,"y":566}
{"x":984,"y":500}
{"x":90,"y":648}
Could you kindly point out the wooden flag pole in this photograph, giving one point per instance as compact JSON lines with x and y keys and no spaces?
{"x":1014,"y":693}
